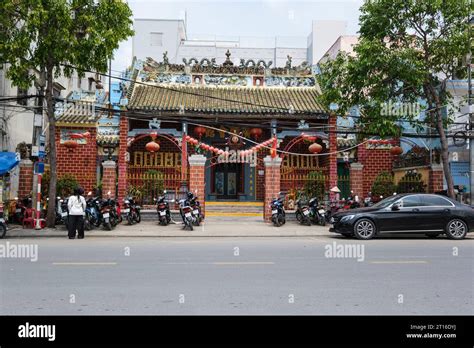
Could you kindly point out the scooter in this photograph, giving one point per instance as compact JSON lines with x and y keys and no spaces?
{"x":187,"y":214}
{"x":163,"y":210}
{"x":302,"y":213}
{"x":108,"y":219}
{"x":131,"y":211}
{"x":92,"y":217}
{"x":278,"y":212}
{"x":317,"y":212}
{"x":196,"y":206}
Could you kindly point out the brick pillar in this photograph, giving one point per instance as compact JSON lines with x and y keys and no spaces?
{"x":356,"y":176}
{"x":122,"y":159}
{"x":332,"y":122}
{"x":109,"y":178}
{"x":197,"y":183}
{"x":436,"y":178}
{"x":272,"y":183}
{"x":25,"y":186}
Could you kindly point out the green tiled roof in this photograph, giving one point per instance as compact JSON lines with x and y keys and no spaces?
{"x":210,"y":99}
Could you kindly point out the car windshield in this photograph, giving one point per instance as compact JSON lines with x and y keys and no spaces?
{"x":386,"y":202}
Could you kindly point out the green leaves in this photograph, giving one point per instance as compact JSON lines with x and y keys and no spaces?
{"x":82,"y":33}
{"x":406,"y":48}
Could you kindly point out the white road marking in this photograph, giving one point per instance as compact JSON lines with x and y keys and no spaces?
{"x":84,"y":263}
{"x":398,"y":262}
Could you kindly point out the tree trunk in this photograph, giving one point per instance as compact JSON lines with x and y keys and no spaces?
{"x":444,"y":143}
{"x":51,"y":215}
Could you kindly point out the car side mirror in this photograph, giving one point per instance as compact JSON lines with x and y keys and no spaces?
{"x":395,"y":207}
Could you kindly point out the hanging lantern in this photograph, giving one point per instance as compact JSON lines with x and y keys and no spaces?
{"x":315,"y":148}
{"x":220,"y":152}
{"x":187,"y":137}
{"x":199,"y":131}
{"x":152,"y":146}
{"x":396,"y":150}
{"x":71,"y":144}
{"x":256,"y":132}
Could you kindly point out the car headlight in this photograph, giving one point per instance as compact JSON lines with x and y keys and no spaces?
{"x":347,"y":218}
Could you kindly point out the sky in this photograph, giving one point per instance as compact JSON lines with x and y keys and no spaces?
{"x":261,"y":18}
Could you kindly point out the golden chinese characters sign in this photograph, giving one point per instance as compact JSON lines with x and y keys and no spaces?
{"x":156,"y":160}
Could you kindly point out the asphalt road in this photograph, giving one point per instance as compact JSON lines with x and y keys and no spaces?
{"x":269,"y":275}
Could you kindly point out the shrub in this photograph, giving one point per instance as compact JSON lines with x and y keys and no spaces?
{"x":383,"y":185}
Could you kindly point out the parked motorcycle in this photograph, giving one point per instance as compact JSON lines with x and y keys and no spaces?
{"x":368,"y":200}
{"x":317,"y":212}
{"x":302,"y":213}
{"x":196,"y":206}
{"x":163,"y":209}
{"x":20,"y":208}
{"x":278,"y":212}
{"x":186,"y":212}
{"x":108,"y":216}
{"x":131,"y":211}
{"x":92,"y":217}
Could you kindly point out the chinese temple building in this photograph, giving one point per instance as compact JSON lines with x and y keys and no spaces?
{"x":231,"y":132}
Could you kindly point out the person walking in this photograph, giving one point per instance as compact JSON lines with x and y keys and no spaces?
{"x":77,"y":208}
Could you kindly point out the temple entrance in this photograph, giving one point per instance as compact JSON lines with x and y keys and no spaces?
{"x":227,"y":180}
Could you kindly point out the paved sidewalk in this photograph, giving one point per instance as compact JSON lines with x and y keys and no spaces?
{"x":212,"y":227}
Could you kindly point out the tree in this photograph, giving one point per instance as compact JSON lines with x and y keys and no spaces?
{"x":54,"y":37}
{"x":407,"y":51}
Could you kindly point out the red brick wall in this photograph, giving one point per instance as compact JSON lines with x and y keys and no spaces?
{"x":81,"y":161}
{"x":375,"y":161}
{"x":272,"y":185}
{"x":197,"y":181}
{"x":436,"y":179}
{"x":122,"y":164}
{"x":332,"y":158}
{"x":357,"y":179}
{"x":25,"y":185}
{"x":109,"y":178}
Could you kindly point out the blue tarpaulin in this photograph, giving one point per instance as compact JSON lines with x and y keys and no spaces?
{"x":8,"y":160}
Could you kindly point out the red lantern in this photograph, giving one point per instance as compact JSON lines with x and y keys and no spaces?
{"x":187,"y":137}
{"x":199,"y":131}
{"x":315,"y":148}
{"x":211,"y":148}
{"x":256,"y":132}
{"x":396,"y":150}
{"x":152,"y":146}
{"x":71,"y":144}
{"x":220,"y":152}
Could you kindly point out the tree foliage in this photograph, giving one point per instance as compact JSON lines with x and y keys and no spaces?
{"x":41,"y":40}
{"x":406,"y":52}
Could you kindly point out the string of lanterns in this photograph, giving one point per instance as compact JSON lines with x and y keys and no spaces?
{"x":217,"y":151}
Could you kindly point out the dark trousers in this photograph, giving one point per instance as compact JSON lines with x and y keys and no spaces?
{"x":76,"y":223}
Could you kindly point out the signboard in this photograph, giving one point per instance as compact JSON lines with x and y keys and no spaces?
{"x":39,"y":168}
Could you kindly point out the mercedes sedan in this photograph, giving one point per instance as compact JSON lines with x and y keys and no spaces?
{"x":408,"y":213}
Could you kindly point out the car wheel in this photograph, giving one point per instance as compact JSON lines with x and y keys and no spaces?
{"x":456,"y":229}
{"x":364,"y":229}
{"x":432,"y":235}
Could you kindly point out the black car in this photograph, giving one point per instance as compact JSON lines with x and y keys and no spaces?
{"x":409,"y":213}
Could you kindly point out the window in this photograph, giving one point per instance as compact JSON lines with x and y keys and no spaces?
{"x":410,"y":201}
{"x":438,"y":201}
{"x":156,"y":39}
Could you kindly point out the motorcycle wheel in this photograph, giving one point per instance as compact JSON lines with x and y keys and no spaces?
{"x":119,"y":220}
{"x":276,"y":221}
{"x":87,"y":224}
{"x":307,"y":221}
{"x":130,"y":219}
{"x":108,"y":226}
{"x":138,"y":217}
{"x":3,"y":231}
{"x":299,"y":216}
{"x":322,"y":221}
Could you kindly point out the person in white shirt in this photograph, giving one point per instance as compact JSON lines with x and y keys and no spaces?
{"x":77,"y":208}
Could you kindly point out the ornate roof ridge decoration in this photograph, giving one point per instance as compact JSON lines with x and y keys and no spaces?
{"x":213,"y":86}
{"x":209,"y":66}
